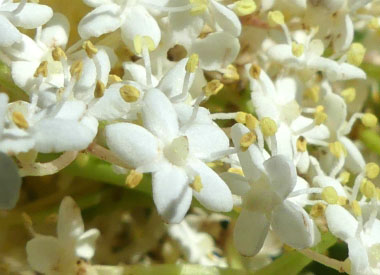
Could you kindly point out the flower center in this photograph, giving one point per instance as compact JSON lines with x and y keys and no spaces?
{"x":177,"y":151}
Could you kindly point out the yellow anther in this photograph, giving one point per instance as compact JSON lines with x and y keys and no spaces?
{"x":318,"y":210}
{"x":355,"y":54}
{"x":313,"y":93}
{"x":244,"y":7}
{"x":251,"y":122}
{"x":42,"y":69}
{"x":369,"y":120}
{"x":99,"y":89}
{"x":337,"y":149}
{"x":247,"y":140}
{"x":329,"y":195}
{"x":297,"y":49}
{"x":19,"y":119}
{"x":231,"y":73}
{"x":349,"y":94}
{"x":255,"y":71}
{"x":356,"y":208}
{"x":275,"y":18}
{"x":58,"y":53}
{"x":193,"y":63}
{"x":197,"y":184}
{"x":139,"y":42}
{"x":129,"y":93}
{"x":90,"y":49}
{"x":133,"y":179}
{"x":368,"y":189}
{"x":372,"y":170}
{"x":344,"y":177}
{"x":342,"y":200}
{"x":235,"y":170}
{"x":320,"y":116}
{"x":198,"y":7}
{"x":76,"y":69}
{"x":82,"y":159}
{"x":213,"y":87}
{"x":373,"y":24}
{"x":301,"y":144}
{"x":268,"y":126}
{"x":113,"y":78}
{"x":241,"y":117}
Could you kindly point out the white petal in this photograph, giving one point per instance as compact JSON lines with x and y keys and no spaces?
{"x":58,"y":135}
{"x":171,"y":193}
{"x":249,"y":242}
{"x":101,"y":20}
{"x":303,"y":163}
{"x":70,"y":224}
{"x":251,"y":160}
{"x":265,"y":106}
{"x":215,"y":195}
{"x":184,"y":112}
{"x":336,"y":110}
{"x":358,"y":257}
{"x":56,"y":32}
{"x":346,"y":34}
{"x":214,"y":58}
{"x":23,"y":73}
{"x":9,"y":33}
{"x":85,"y":245}
{"x":286,"y":90}
{"x":139,"y":22}
{"x":32,"y":16}
{"x":320,"y":132}
{"x":282,"y":174}
{"x":159,"y":115}
{"x":10,"y":182}
{"x":237,"y":183}
{"x":284,"y":139}
{"x":301,"y":200}
{"x":97,"y":3}
{"x":205,"y":140}
{"x":137,"y":73}
{"x":293,"y":225}
{"x":172,"y":82}
{"x":88,"y":76}
{"x":354,"y":160}
{"x":341,"y":223}
{"x":44,"y":253}
{"x":226,"y":19}
{"x":14,"y":141}
{"x":110,"y":106}
{"x":26,"y":49}
{"x":282,"y":53}
{"x":132,"y":143}
{"x":103,"y":66}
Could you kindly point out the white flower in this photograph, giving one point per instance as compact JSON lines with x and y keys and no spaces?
{"x":363,"y":244}
{"x":265,"y":189}
{"x":176,"y":157}
{"x":50,"y":255}
{"x":10,"y":181}
{"x":24,"y":15}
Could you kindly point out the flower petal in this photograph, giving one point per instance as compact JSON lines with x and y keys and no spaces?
{"x":226,"y":19}
{"x":56,"y":32}
{"x":215,"y":194}
{"x":325,"y":181}
{"x":159,"y":115}
{"x":70,"y":224}
{"x":282,"y":174}
{"x":341,"y":223}
{"x":293,"y":225}
{"x":237,"y":183}
{"x":249,"y":242}
{"x":10,"y":182}
{"x":9,"y":33}
{"x":358,"y":256}
{"x":171,"y":193}
{"x":214,"y":58}
{"x":131,"y":143}
{"x":31,"y":16}
{"x":354,"y":160}
{"x":43,"y":253}
{"x":101,"y":20}
{"x":336,"y":110}
{"x":85,"y":245}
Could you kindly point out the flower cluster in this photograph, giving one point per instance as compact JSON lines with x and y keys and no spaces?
{"x":137,"y":88}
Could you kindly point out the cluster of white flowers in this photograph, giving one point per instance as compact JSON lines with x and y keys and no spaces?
{"x":132,"y":87}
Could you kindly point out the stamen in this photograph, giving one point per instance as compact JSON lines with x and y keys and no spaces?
{"x":213,"y":87}
{"x":252,"y":122}
{"x":231,"y":73}
{"x":144,"y":45}
{"x":235,"y":170}
{"x":20,"y":121}
{"x":241,"y":117}
{"x":338,"y":166}
{"x":90,"y":49}
{"x":312,"y":190}
{"x":330,"y":195}
{"x":344,"y":177}
{"x":373,"y":24}
{"x":244,"y":7}
{"x":247,"y":140}
{"x":369,"y":120}
{"x":197,"y":184}
{"x":356,"y":186}
{"x":318,"y":210}
{"x":42,"y":69}
{"x":192,"y":64}
{"x":76,"y":69}
{"x":255,"y":71}
{"x":133,"y":179}
{"x":372,"y":170}
{"x":301,"y":144}
{"x":355,"y":54}
{"x":356,"y":208}
{"x":349,"y":94}
{"x":337,"y":149}
{"x":313,"y":93}
{"x":58,"y":54}
{"x":320,"y":116}
{"x":277,"y":18}
{"x":297,"y":49}
{"x":129,"y":93}
{"x":368,"y":189}
{"x":112,"y":79}
{"x":268,"y":126}
{"x":99,"y":89}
